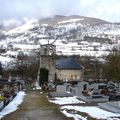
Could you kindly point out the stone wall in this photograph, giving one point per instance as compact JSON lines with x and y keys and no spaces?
{"x":70,"y":74}
{"x":48,"y":63}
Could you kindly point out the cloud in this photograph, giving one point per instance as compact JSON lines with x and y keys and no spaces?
{"x":104,"y":9}
{"x":11,"y":22}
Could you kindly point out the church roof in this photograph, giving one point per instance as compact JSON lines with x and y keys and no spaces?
{"x":68,"y":63}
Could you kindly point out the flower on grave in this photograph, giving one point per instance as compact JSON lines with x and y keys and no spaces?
{"x":1,"y":98}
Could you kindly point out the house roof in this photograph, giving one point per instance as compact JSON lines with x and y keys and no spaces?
{"x":68,"y":63}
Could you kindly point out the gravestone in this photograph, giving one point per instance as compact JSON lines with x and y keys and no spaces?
{"x":61,"y":88}
{"x":81,"y":87}
{"x":111,"y":106}
{"x":119,"y":87}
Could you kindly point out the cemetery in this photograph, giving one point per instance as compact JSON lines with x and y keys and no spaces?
{"x":8,"y":90}
{"x":95,"y":92}
{"x":66,"y":81}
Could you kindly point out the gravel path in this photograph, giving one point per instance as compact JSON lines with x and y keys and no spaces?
{"x":36,"y":107}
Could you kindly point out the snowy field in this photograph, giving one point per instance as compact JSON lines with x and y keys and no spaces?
{"x":13,"y":105}
{"x":75,"y":111}
{"x":5,"y":61}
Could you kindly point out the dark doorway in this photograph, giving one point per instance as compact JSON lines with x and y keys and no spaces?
{"x":43,"y":76}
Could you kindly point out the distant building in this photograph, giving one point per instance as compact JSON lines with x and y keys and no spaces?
{"x":51,"y":69}
{"x":46,"y":72}
{"x":67,"y":69}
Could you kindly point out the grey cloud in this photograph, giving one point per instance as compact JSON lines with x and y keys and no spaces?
{"x":104,"y":9}
{"x":35,"y":8}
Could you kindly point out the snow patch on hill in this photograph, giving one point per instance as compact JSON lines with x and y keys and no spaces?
{"x":29,"y":25}
{"x":70,"y":21}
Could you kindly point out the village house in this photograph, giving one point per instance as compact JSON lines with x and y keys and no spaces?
{"x":68,"y":69}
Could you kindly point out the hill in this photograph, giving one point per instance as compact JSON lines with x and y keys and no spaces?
{"x":72,"y":35}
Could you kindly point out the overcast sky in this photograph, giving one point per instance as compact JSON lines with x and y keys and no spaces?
{"x":105,"y":9}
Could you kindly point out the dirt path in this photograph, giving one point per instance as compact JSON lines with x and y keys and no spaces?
{"x":36,"y":107}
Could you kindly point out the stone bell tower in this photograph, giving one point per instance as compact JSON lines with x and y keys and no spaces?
{"x":46,"y":72}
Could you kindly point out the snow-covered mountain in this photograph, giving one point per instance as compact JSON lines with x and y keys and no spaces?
{"x":72,"y":35}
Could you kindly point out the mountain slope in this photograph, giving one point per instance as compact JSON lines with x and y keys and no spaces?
{"x":83,"y":20}
{"x":72,"y":35}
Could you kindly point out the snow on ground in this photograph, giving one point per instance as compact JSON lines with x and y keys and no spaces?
{"x":5,"y":61}
{"x":11,"y":53}
{"x":26,"y":46}
{"x":69,"y":21}
{"x":46,"y":41}
{"x":65,"y":100}
{"x":80,"y":49}
{"x":73,"y":115}
{"x":94,"y":112}
{"x":113,"y":32}
{"x":13,"y":105}
{"x":24,"y":28}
